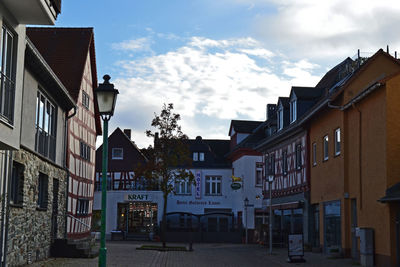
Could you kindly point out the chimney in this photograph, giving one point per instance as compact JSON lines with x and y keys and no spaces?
{"x":128,"y":133}
{"x":271,"y":109}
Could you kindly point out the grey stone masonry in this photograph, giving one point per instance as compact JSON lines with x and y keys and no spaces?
{"x":30,"y":229}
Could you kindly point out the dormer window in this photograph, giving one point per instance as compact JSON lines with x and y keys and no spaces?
{"x":293,"y":109}
{"x":280,"y":117}
{"x":201,"y":156}
{"x":195,"y":156}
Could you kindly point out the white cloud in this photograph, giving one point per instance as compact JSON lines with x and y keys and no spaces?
{"x":210,"y":82}
{"x":140,"y":44}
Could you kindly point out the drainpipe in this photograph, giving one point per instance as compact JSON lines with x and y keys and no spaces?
{"x":66,"y":168}
{"x":359,"y":153}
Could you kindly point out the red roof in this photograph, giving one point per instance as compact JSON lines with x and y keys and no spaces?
{"x":65,"y":50}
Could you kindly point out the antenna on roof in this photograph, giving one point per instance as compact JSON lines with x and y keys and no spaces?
{"x":387,"y":49}
{"x":358,"y":58}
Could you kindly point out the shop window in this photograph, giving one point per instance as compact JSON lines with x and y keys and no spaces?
{"x":7,"y":74}
{"x":117,"y":153}
{"x":332,"y":225}
{"x":17,"y":184}
{"x":326,"y":147}
{"x":213,"y":185}
{"x":43,"y":191}
{"x":337,"y":142}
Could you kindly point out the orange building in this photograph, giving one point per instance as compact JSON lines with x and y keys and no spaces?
{"x":354,"y":146}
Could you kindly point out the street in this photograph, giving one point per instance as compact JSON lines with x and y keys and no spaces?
{"x":121,"y":253}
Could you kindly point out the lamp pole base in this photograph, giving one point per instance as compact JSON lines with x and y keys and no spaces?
{"x":103,"y":257}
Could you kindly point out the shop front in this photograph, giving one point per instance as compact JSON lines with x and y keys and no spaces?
{"x":137,"y":217}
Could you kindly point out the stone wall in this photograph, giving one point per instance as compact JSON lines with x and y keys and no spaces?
{"x":30,"y":229}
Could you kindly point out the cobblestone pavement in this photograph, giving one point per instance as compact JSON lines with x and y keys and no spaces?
{"x":121,"y":253}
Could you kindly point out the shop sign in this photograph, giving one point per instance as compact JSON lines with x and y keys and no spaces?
{"x":236,"y":186}
{"x":137,"y":197}
{"x":198,"y":184}
{"x":295,"y":245}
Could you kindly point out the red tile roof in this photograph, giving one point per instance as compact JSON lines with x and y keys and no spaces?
{"x":65,"y":50}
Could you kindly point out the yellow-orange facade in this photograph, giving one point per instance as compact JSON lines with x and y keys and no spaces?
{"x":346,"y":187}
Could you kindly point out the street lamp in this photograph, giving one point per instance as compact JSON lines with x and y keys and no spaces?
{"x":106,"y":97}
{"x":270,"y":180}
{"x":246,"y":204}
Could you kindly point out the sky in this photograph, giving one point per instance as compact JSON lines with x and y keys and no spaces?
{"x":219,"y":60}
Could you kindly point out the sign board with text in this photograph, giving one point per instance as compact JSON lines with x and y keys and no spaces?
{"x":197,"y":179}
{"x":137,"y":197}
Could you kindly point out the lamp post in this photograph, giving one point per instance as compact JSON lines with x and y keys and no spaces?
{"x":106,"y":97}
{"x":270,"y":180}
{"x":246,"y":204}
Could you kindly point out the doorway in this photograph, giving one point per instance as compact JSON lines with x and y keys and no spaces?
{"x":137,"y":217}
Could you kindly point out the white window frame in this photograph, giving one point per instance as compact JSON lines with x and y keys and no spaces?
{"x":201,"y":156}
{"x":195,"y":156}
{"x":280,"y":117}
{"x":337,"y":142}
{"x":258,"y":174}
{"x":114,"y":156}
{"x":325,"y":147}
{"x":85,"y":100}
{"x":293,"y":109}
{"x":212,"y":183}
{"x":183,"y":187}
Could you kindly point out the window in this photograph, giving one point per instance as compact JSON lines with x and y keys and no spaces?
{"x":117,"y":153}
{"x":45,"y":139}
{"x":293,"y":110}
{"x":82,"y":207}
{"x":213,"y":185}
{"x":337,"y":141}
{"x":195,"y":156}
{"x":266,"y":165}
{"x":326,"y":146}
{"x":280,"y":117}
{"x":183,"y":188}
{"x":43,"y":184}
{"x":85,"y":100}
{"x":258,"y":177}
{"x":314,"y":154}
{"x":17,"y":184}
{"x":201,"y":156}
{"x":84,"y":151}
{"x":284,"y":163}
{"x":298,"y":157}
{"x":7,"y":87}
{"x":271,"y":170}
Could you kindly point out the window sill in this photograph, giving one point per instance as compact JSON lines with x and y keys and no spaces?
{"x":41,"y":209}
{"x":337,"y":154}
{"x":210,"y":195}
{"x":16,"y":205}
{"x":324,"y":160}
{"x":183,"y":194}
{"x":258,"y":185}
{"x":6,"y":122}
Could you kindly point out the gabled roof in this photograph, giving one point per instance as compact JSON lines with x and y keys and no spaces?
{"x":284,"y":100}
{"x":66,"y":50}
{"x":332,"y":76}
{"x":243,"y":126}
{"x":214,"y":150}
{"x":306,"y":93}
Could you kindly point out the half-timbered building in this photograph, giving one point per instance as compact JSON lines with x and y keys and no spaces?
{"x":70,"y":52}
{"x":285,"y":159}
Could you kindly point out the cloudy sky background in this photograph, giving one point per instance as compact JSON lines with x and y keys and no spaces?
{"x":225,"y":59}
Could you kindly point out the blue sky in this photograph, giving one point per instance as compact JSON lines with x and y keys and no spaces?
{"x":223,"y":59}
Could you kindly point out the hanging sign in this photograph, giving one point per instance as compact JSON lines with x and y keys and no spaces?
{"x":198,"y":184}
{"x":236,"y":186}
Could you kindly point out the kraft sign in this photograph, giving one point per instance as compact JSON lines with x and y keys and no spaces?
{"x":137,"y":197}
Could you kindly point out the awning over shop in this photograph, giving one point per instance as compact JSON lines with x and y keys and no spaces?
{"x":284,"y":206}
{"x":392,"y":194}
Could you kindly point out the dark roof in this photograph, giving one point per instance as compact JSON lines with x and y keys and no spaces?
{"x":392,"y":194}
{"x":307,"y":93}
{"x":214,"y":152}
{"x":66,"y":50}
{"x":333,"y":75}
{"x":242,"y":126}
{"x":284,"y":100}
